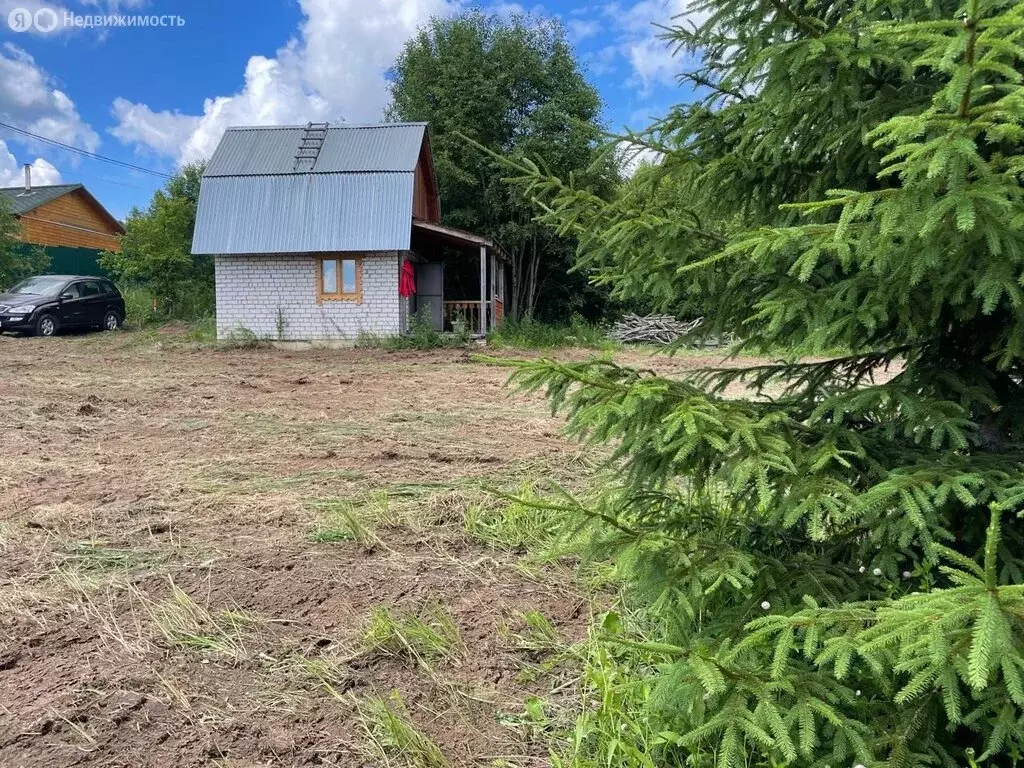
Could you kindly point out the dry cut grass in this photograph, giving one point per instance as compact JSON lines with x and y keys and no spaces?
{"x":237,"y":556}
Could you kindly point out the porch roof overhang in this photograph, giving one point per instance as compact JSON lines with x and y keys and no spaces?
{"x":459,"y":237}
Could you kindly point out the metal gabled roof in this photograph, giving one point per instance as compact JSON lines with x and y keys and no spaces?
{"x":358,"y":195}
{"x":19,"y":201}
{"x":388,"y":147}
{"x":303,"y":213}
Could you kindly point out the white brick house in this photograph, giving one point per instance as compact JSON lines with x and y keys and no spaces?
{"x":310,"y":229}
{"x":259,"y":292}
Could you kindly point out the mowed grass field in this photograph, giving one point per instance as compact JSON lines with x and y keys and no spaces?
{"x":259,"y":557}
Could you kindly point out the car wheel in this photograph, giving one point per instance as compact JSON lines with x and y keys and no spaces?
{"x":46,"y":325}
{"x":111,"y":321}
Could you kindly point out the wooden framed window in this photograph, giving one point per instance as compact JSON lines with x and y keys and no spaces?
{"x":339,"y":278}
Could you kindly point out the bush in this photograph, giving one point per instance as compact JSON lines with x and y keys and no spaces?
{"x":204,"y":329}
{"x":531,"y":334}
{"x":191,"y":301}
{"x":421,"y":335}
{"x":244,"y":338}
{"x":140,"y":311}
{"x":156,"y":250}
{"x":17,"y":260}
{"x":138,"y":306}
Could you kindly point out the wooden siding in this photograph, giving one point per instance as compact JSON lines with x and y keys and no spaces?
{"x":70,"y":220}
{"x":425,"y":203}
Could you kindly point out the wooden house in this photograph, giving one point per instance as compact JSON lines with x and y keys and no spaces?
{"x":67,"y":221}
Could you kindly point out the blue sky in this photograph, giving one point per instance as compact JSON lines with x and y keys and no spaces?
{"x":159,"y":96}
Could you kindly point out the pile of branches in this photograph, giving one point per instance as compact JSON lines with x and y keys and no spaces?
{"x":660,"y":329}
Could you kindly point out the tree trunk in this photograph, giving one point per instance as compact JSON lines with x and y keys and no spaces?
{"x":531,"y":286}
{"x":516,"y":304}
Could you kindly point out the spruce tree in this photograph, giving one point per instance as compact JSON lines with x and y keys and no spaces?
{"x":833,"y":561}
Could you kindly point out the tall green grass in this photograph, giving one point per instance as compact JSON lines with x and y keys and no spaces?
{"x":427,"y":636}
{"x":608,"y":716}
{"x":530,"y":334}
{"x":138,"y":304}
{"x":341,"y":520}
{"x":143,"y":309}
{"x":421,"y":335}
{"x":393,"y":739}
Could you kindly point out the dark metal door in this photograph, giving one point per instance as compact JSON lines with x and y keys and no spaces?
{"x":71,"y":311}
{"x":95,"y":303}
{"x":430,"y":292}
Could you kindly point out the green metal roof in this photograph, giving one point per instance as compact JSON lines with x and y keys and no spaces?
{"x":19,"y":201}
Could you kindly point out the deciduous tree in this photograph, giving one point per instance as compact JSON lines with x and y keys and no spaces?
{"x":18,"y":260}
{"x":156,"y":249}
{"x":513,"y":86}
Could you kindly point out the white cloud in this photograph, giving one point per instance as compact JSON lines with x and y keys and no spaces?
{"x":29,"y":99}
{"x":165,"y":132}
{"x":12,"y":173}
{"x":640,"y":16}
{"x":632,"y":156}
{"x":507,"y":9}
{"x":602,"y":61}
{"x":515,"y":9}
{"x":333,"y":69}
{"x":653,"y":59}
{"x":653,"y":62}
{"x":105,"y":8}
{"x":581,"y":29}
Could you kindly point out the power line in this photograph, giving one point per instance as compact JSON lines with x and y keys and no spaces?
{"x":65,"y":226}
{"x":92,"y":155}
{"x":108,"y":180}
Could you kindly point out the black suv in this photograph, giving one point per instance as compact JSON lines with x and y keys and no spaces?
{"x":42,"y":305}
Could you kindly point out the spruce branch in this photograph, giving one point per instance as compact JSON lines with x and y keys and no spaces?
{"x":803,"y":24}
{"x":971,"y":25}
{"x":867,"y":197}
{"x":698,"y":79}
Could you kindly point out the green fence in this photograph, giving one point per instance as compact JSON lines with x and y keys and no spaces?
{"x":72,"y":261}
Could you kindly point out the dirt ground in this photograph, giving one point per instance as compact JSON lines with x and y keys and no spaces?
{"x":165,"y":599}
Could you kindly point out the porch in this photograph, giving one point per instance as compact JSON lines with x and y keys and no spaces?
{"x":479,"y":313}
{"x":471,"y":313}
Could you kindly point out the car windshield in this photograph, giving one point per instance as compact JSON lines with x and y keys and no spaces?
{"x":40,"y":286}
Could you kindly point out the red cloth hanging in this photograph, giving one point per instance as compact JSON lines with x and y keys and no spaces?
{"x":407,"y":279}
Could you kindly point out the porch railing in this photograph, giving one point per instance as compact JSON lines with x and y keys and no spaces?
{"x":468,"y":311}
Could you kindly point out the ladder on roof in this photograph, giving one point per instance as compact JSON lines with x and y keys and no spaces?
{"x":310,"y":145}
